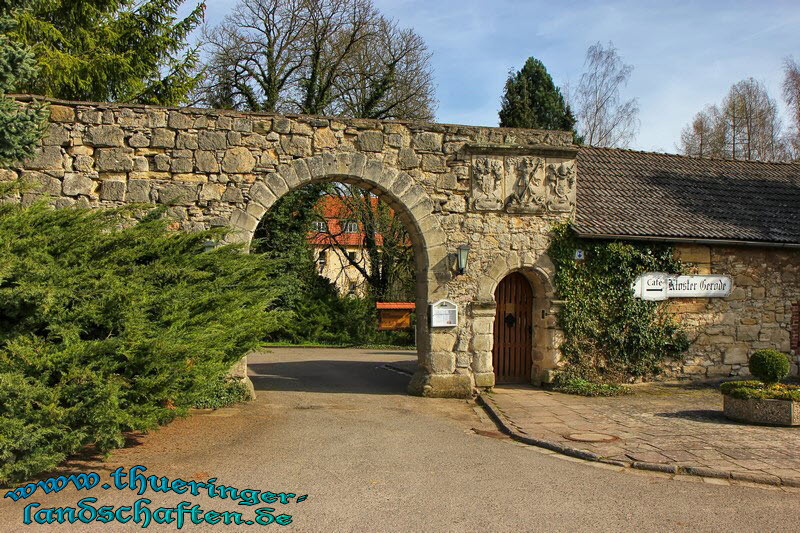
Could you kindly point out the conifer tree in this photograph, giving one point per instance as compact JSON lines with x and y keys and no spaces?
{"x":20,"y":126}
{"x":110,"y":50}
{"x":532,"y":100}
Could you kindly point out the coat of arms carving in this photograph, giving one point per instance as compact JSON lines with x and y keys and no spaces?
{"x":561,"y":185}
{"x":487,"y":187}
{"x":528,"y":191}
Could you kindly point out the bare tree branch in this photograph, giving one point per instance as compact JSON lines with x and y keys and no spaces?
{"x":603,"y":119}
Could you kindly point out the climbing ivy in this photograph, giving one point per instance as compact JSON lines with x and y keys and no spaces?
{"x":609,"y":334}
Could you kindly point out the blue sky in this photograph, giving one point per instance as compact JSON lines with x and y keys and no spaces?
{"x":685,"y":54}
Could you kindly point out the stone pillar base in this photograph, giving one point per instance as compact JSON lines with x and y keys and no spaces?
{"x":440,"y":385}
{"x":239,"y":371}
{"x":484,"y":379}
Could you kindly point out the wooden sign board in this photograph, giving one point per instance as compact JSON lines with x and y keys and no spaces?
{"x":444,"y":314}
{"x":659,"y":286}
{"x":391,"y":319}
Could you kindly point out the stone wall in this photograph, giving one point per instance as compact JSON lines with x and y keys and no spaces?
{"x":498,"y":190}
{"x":757,"y":315}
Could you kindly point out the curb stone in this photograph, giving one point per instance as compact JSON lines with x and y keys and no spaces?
{"x":505,"y":427}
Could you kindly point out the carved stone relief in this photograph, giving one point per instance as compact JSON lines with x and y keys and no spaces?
{"x":522,"y":184}
{"x":561,"y":185}
{"x":528,"y":190}
{"x":488,"y":183}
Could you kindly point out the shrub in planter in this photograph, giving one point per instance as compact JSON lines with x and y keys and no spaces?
{"x":766,"y":401}
{"x":769,"y":366}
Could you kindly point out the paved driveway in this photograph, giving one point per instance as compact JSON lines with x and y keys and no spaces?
{"x":336,"y":425}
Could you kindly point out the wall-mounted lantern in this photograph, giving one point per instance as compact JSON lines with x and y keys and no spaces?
{"x":462,"y":250}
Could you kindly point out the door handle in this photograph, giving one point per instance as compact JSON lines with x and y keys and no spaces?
{"x":510,"y":320}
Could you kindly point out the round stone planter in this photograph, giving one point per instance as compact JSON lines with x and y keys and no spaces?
{"x":767,"y":412}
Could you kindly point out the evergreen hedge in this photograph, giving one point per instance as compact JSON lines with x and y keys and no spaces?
{"x":107,"y":327}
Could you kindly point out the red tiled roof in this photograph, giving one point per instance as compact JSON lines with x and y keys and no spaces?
{"x":396,"y":305}
{"x":336,"y":213}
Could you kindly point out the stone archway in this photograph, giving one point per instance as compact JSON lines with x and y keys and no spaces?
{"x":546,"y":334}
{"x":498,"y":190}
{"x":414,"y":208}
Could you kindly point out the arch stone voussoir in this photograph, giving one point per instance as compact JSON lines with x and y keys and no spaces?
{"x":259,"y":192}
{"x":276,"y":184}
{"x":316,"y":167}
{"x":256,"y":210}
{"x":289,"y":175}
{"x":301,"y":171}
{"x":357,"y":163}
{"x":402,"y":182}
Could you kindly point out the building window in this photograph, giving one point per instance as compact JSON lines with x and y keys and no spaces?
{"x":351,"y":256}
{"x":351,"y":289}
{"x":321,"y":260}
{"x":795,"y":327}
{"x":350,"y":226}
{"x":320,"y":226}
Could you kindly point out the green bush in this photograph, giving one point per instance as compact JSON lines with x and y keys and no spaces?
{"x":108,"y":326}
{"x":769,"y":366}
{"x":606,"y":329}
{"x":221,"y":392}
{"x":749,"y":390}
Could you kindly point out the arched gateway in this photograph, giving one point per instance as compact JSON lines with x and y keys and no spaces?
{"x":497,"y":191}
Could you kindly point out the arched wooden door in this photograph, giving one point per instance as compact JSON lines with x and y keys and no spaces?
{"x":513,"y":330}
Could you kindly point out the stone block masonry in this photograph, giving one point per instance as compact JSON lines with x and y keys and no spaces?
{"x":497,"y":190}
{"x":761,"y":312}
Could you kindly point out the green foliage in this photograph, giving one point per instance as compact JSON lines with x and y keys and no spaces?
{"x":319,"y":314}
{"x":531,"y":100}
{"x":605,"y":327}
{"x":571,"y":382}
{"x":107,"y":327}
{"x":221,"y":392}
{"x":109,"y":50}
{"x":769,"y":366}
{"x":757,"y":390}
{"x":21,"y":126}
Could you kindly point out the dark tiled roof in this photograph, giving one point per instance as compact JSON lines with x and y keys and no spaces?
{"x":643,"y":194}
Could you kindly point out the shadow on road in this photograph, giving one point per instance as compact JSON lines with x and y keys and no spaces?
{"x":331,"y":376}
{"x":701,"y":415}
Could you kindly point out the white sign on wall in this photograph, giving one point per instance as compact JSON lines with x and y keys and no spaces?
{"x":657,"y":286}
{"x":444,"y":314}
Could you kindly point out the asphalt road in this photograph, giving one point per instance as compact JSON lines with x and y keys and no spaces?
{"x":337,"y":426}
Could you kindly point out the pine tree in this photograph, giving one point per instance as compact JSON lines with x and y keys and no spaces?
{"x":20,"y":126}
{"x":110,"y":50}
{"x":532,"y":100}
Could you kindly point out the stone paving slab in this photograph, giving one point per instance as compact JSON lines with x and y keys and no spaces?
{"x":660,"y":425}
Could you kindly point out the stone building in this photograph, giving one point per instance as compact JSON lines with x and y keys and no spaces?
{"x":338,"y":243}
{"x":735,"y":218}
{"x":497,"y":191}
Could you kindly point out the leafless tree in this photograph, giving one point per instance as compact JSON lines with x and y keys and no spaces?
{"x":255,"y":55}
{"x":702,"y":137}
{"x":604,"y":119}
{"x":752,"y":122}
{"x":745,"y":126}
{"x":386,"y":258}
{"x":388,"y":77}
{"x":791,"y":94}
{"x":318,"y":57}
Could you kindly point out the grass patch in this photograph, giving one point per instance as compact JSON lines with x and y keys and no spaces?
{"x":222,"y":392}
